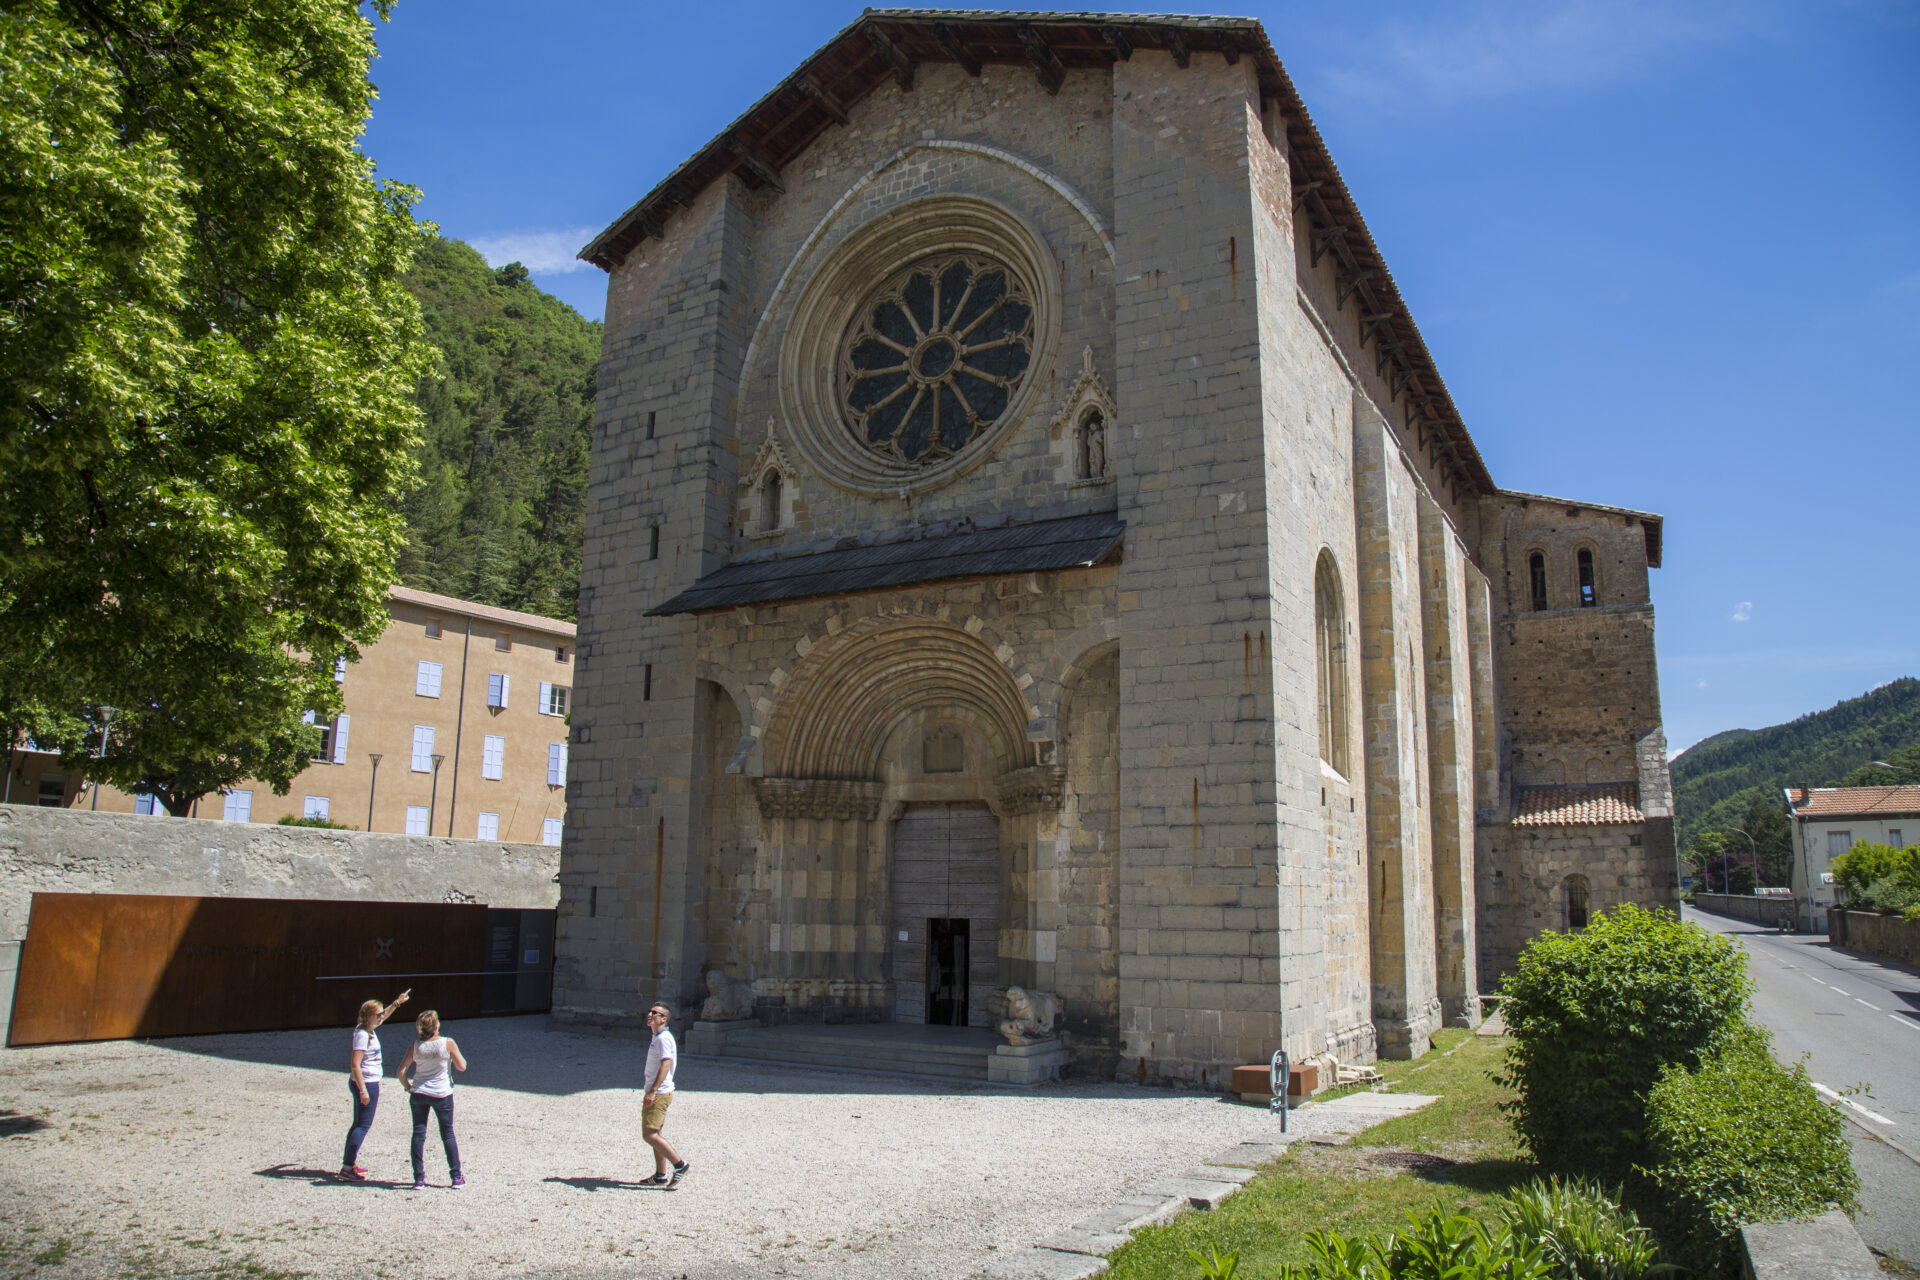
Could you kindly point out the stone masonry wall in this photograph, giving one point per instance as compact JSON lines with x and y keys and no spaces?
{"x":662,"y":459}
{"x":1406,"y":1003}
{"x":1307,"y":403}
{"x":1523,"y":880}
{"x":1197,"y":770}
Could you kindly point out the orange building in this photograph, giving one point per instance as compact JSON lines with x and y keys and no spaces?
{"x":454,"y":724}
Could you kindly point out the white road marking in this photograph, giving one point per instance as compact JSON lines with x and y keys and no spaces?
{"x":1911,"y":1026}
{"x":1876,"y":1008}
{"x":1874,"y":1116}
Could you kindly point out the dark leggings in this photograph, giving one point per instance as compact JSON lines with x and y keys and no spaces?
{"x":443,"y":1108}
{"x":362,"y":1119}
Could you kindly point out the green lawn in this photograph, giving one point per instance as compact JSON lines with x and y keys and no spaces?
{"x":1456,"y":1152}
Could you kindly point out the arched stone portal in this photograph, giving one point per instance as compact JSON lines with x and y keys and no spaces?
{"x":900,"y":815}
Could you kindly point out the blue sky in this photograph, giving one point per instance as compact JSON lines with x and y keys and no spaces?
{"x":1666,"y":257}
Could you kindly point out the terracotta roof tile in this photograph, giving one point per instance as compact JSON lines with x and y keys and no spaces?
{"x":491,"y":613}
{"x":1596,"y":804}
{"x":1855,"y":802}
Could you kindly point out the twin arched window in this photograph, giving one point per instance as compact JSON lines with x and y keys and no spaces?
{"x":1330,"y":661}
{"x":1586,"y":577}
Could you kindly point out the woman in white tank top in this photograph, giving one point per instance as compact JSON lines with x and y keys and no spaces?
{"x":432,"y":1059}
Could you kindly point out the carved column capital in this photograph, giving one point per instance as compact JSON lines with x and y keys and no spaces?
{"x":818,"y":798}
{"x":1038,"y":788}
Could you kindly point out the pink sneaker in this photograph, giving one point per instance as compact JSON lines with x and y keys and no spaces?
{"x":459,"y":1179}
{"x":353,"y":1173}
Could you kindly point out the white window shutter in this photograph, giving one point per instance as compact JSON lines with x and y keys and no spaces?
{"x":340,"y":740}
{"x":504,"y":682}
{"x":546,"y":698}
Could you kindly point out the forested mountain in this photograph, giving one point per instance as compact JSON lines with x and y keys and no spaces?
{"x":1717,"y":780}
{"x":509,"y":421}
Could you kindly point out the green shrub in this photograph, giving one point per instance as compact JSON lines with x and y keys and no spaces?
{"x":1582,"y":1231}
{"x":1437,"y":1247}
{"x":291,"y":821}
{"x":1740,"y":1139}
{"x":1891,"y":894}
{"x":1595,"y":1016}
{"x":1867,"y":863}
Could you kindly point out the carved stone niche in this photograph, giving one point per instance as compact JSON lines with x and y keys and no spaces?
{"x":1038,"y":788}
{"x":833,"y":798}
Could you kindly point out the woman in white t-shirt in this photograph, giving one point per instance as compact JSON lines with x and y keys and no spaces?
{"x":363,"y":1079}
{"x":429,"y":1058}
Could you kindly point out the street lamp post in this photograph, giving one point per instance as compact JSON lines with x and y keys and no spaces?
{"x":1726,"y":872}
{"x":106,"y":723}
{"x":433,"y":800}
{"x":371,"y":784}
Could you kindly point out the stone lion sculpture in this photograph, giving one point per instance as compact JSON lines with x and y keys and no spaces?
{"x":727,"y":1000}
{"x":1030,"y":1016}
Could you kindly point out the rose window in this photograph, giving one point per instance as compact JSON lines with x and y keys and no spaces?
{"x":935,"y":358}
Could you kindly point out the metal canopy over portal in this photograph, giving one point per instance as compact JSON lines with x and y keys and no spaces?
{"x":1077,"y":542}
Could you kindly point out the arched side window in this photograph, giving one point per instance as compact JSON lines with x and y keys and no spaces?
{"x":1330,"y":661}
{"x":1537,"y":580}
{"x":1575,"y":890}
{"x":771,"y":496}
{"x":1589,"y":593}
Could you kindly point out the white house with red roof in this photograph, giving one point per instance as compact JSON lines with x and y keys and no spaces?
{"x":1828,"y":821}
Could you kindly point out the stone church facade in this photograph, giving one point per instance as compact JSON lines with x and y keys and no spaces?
{"x":1029,"y":545}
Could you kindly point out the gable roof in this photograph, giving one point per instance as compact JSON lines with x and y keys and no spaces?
{"x":1590,"y":805}
{"x":884,"y":45}
{"x":1854,"y":802}
{"x":482,"y":612}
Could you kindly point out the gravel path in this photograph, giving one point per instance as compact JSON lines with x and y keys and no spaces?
{"x":203,"y":1153}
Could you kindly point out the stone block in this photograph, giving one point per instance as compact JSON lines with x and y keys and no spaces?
{"x":1827,"y":1248}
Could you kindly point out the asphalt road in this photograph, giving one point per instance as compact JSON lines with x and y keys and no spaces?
{"x":1857,"y":1020}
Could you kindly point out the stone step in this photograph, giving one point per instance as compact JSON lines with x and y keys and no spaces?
{"x":786,"y":1040}
{"x":786,"y":1054}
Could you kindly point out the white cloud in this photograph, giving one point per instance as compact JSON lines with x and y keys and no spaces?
{"x":1699,"y":684}
{"x":544,"y":253}
{"x":1502,"y":47}
{"x":1743,"y":612}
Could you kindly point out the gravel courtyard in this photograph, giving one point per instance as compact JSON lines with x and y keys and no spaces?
{"x":213,"y":1155}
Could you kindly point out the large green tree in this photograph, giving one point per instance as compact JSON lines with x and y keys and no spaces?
{"x":207,"y":360}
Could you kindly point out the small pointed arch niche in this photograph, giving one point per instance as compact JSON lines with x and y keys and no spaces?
{"x":769,"y":489}
{"x":1084,"y":430}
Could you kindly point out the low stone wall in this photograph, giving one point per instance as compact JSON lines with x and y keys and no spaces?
{"x":1827,"y":1248}
{"x":1744,"y":906}
{"x":1889,"y":937}
{"x":74,"y":851}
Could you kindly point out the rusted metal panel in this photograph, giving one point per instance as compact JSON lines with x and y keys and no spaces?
{"x":113,"y":966}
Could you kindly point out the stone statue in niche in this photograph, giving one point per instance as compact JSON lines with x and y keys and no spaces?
{"x":943,"y":751}
{"x":1030,"y":1016}
{"x":1093,"y":446}
{"x":727,"y":1000}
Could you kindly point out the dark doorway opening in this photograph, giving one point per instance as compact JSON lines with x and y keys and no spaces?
{"x":948,"y":946}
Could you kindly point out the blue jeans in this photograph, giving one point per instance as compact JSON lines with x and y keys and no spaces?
{"x":442,"y":1108}
{"x":362,"y":1119}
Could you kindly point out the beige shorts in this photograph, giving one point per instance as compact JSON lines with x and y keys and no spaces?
{"x":653,"y":1115}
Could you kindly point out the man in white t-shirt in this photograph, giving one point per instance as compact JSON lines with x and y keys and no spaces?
{"x":668,"y":1167}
